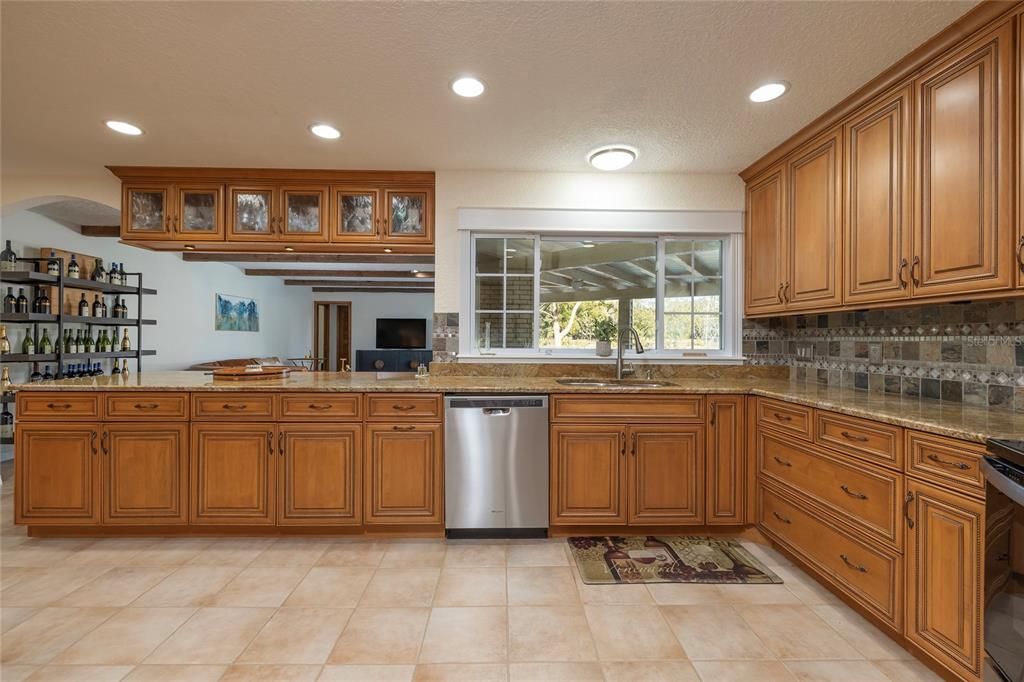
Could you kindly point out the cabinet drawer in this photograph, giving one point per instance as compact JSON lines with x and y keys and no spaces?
{"x":865,"y":496}
{"x":860,"y":437}
{"x":321,"y":406}
{"x":794,"y":419}
{"x":232,"y":406}
{"x":946,"y":461}
{"x":632,"y":407}
{"x":869,"y":575}
{"x":58,"y":406}
{"x":147,"y":405}
{"x":390,"y":406}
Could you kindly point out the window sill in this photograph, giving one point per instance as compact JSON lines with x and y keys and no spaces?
{"x":591,"y":358}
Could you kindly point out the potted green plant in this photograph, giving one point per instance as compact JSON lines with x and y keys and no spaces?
{"x":604,"y":332}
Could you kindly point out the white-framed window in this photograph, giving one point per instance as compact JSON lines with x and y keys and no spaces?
{"x":536,"y":295}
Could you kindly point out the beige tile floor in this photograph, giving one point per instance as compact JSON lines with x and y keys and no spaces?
{"x":324,"y":609}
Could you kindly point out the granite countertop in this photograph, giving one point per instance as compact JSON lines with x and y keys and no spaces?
{"x":958,"y":421}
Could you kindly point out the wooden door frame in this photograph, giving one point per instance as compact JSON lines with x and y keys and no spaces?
{"x":316,"y":329}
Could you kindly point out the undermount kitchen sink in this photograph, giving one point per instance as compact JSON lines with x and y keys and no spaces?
{"x":597,"y":383}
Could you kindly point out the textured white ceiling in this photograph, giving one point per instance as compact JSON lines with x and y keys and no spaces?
{"x":237,"y":83}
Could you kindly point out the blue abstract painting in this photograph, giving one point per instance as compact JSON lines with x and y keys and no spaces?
{"x":236,"y":314}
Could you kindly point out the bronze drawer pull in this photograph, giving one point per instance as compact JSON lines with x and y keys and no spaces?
{"x":315,"y":406}
{"x":632,"y":450}
{"x":105,"y":443}
{"x":229,"y":406}
{"x":856,"y":567}
{"x":622,"y":441}
{"x":946,"y":463}
{"x":58,"y":406}
{"x":92,"y":442}
{"x":899,"y":273}
{"x":859,"y":496}
{"x":403,"y":408}
{"x":1020,"y":253}
{"x":782,"y":417}
{"x":403,"y":428}
{"x":914,"y":274}
{"x":906,"y":508}
{"x":146,"y":406}
{"x":849,"y":436}
{"x":778,"y":295}
{"x":782,"y":461}
{"x":270,"y":443}
{"x":780,"y":517}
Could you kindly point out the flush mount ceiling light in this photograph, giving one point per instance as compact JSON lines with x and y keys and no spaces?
{"x":325,"y":131}
{"x":468,"y":86}
{"x":769,"y":91}
{"x":124,"y":128}
{"x":612,"y":157}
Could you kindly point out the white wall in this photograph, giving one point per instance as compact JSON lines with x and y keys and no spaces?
{"x":501,"y":189}
{"x":184,"y":305}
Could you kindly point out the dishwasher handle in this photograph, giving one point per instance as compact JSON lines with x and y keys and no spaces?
{"x":497,"y":411}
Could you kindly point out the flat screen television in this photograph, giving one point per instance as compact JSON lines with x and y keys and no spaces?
{"x":401,"y":333}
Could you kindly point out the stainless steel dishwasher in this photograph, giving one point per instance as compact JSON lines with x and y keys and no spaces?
{"x":496,"y":466}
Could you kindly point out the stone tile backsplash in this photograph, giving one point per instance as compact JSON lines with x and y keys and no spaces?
{"x":971,"y":353}
{"x":445,"y":336}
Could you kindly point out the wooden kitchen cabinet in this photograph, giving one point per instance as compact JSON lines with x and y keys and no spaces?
{"x":665,"y":475}
{"x":403,"y":474}
{"x":356,"y":214}
{"x":253,"y":211}
{"x":963,"y":190}
{"x":58,"y":473}
{"x":765,"y":241}
{"x":145,"y":473}
{"x":186,"y":211}
{"x":319,"y":474}
{"x":409,"y":215}
{"x":725,"y":469}
{"x":146,"y":210}
{"x":1019,"y":255}
{"x":879,"y":192}
{"x":588,"y":474}
{"x":304,"y":213}
{"x":944,"y":579}
{"x":233,"y":474}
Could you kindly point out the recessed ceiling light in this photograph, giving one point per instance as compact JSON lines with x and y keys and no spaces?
{"x":325,"y":131}
{"x":769,"y":91}
{"x":468,"y":86}
{"x":124,"y":128}
{"x":612,"y":157}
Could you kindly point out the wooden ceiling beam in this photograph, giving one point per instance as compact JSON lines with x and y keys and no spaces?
{"x":363,"y":283}
{"x":391,"y":259}
{"x":291,"y":272}
{"x":101,"y":230}
{"x":370,"y":290}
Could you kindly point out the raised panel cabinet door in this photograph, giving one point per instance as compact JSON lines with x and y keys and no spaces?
{"x":814,"y":235}
{"x":944,"y":577}
{"x":356,"y":214}
{"x":58,"y":474}
{"x":665,"y":482}
{"x":879,"y":229}
{"x":319,"y":474}
{"x":409,"y":215}
{"x":588,"y":474}
{"x":764,"y":243}
{"x":233,"y":474}
{"x":1020,"y":151}
{"x":964,"y":195}
{"x":198,"y":212}
{"x":253,"y":213}
{"x":403,"y":474}
{"x":304,"y":213}
{"x":726,"y":460}
{"x":145,"y":473}
{"x":146,"y":211}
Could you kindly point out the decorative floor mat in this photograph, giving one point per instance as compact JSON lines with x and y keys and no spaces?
{"x":666,"y":559}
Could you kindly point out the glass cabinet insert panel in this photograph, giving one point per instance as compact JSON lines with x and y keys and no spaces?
{"x":198,"y":211}
{"x":252,"y":211}
{"x":147,"y":210}
{"x":356,"y":213}
{"x":407,"y":213}
{"x":303,"y":212}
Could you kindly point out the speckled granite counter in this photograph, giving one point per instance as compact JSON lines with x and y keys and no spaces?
{"x":969,"y":423}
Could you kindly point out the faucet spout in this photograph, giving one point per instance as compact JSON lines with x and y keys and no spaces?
{"x":625,"y":333}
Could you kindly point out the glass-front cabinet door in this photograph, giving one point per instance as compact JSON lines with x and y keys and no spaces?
{"x":145,"y":211}
{"x":252,"y":213}
{"x":355,"y":214}
{"x":199,"y":212}
{"x":304,"y":214}
{"x":409,"y":215}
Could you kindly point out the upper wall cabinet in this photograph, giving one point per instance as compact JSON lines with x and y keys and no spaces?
{"x":269,"y":210}
{"x":1020,"y":151}
{"x":765,"y":241}
{"x":964,"y":190}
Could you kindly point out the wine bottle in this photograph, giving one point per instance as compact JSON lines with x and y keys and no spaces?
{"x":5,"y":377}
{"x":8,"y":259}
{"x":119,"y":308}
{"x":68,"y":341}
{"x":103,"y":308}
{"x":42,"y":302}
{"x":105,"y":342}
{"x":73,"y":269}
{"x":35,"y":376}
{"x":122,"y":278}
{"x":28,"y":346}
{"x":10,"y":302}
{"x":5,"y":343}
{"x":126,"y":343}
{"x":6,"y":420}
{"x":79,"y":344}
{"x":47,"y":374}
{"x":99,"y":274}
{"x":88,"y":342}
{"x":97,"y":307}
{"x":53,"y":265}
{"x":124,"y":368}
{"x":112,"y":273}
{"x":45,"y":345}
{"x":22,"y":306}
{"x":97,"y":371}
{"x":83,"y":307}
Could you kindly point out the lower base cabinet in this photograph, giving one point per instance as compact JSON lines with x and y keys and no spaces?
{"x":319,"y":474}
{"x":665,"y":479}
{"x":403,"y":473}
{"x":944,"y":577}
{"x":145,"y":473}
{"x":725,"y":468}
{"x":588,"y":474}
{"x":234,"y":474}
{"x":58,"y":474}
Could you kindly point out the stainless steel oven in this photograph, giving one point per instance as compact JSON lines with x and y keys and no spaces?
{"x":1004,"y":560}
